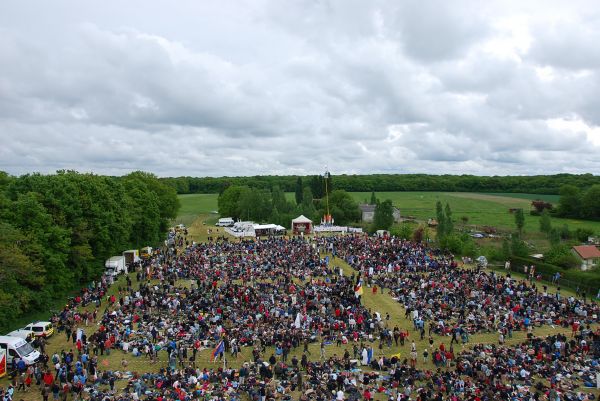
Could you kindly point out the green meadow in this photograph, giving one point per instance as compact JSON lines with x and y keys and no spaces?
{"x":477,"y":209}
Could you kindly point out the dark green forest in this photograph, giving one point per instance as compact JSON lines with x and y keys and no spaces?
{"x":57,"y":230}
{"x":538,"y":184}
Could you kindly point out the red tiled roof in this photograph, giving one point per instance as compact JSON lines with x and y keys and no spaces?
{"x":587,"y":251}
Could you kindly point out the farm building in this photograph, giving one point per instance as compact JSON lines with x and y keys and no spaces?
{"x":589,"y":255}
{"x":368,"y":213}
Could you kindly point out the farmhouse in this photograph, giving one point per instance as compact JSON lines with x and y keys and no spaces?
{"x":368,"y":213}
{"x":589,"y":255}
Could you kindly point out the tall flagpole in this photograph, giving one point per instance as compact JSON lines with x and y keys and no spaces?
{"x":326,"y":176}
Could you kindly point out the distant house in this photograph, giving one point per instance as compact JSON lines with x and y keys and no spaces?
{"x":368,"y":213}
{"x":589,"y":255}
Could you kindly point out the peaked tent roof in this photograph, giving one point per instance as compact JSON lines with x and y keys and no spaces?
{"x":302,"y":219}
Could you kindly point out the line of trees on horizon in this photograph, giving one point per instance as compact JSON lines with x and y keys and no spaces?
{"x":57,"y":230}
{"x":537,"y":184}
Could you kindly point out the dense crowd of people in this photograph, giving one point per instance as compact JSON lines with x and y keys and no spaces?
{"x":275,"y":319}
{"x":455,"y":301}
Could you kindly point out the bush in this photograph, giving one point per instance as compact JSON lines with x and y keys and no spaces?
{"x":560,"y":255}
{"x":403,"y":231}
{"x":582,"y":234}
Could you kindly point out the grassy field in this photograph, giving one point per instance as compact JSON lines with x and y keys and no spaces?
{"x":480,"y":209}
{"x":546,"y":198}
{"x":193,"y":205}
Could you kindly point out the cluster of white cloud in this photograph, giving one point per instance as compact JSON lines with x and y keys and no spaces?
{"x":271,"y":87}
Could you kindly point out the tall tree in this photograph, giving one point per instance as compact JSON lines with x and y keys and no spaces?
{"x":545,"y":222}
{"x":254,"y":204}
{"x":590,"y":203}
{"x":569,"y":204}
{"x":278,"y":199}
{"x":299,"y":191}
{"x":519,"y":221}
{"x":373,"y":199}
{"x":384,"y":215}
{"x":228,"y":202}
{"x":449,"y":226}
{"x":317,"y":186}
{"x":307,"y":207}
{"x":441,"y":220}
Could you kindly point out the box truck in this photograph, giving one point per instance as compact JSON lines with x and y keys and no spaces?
{"x":131,"y":256}
{"x":115,"y":265}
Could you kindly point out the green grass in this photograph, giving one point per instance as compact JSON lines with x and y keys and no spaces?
{"x":193,"y":205}
{"x":480,"y":209}
{"x":546,"y":198}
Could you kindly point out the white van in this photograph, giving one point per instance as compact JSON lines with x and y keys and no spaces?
{"x":17,"y":347}
{"x":23,"y":333}
{"x":40,"y":329}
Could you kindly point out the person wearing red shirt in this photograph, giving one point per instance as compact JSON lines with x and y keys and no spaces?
{"x":48,"y":378}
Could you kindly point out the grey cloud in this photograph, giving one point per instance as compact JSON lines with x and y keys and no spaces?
{"x":264,"y":87}
{"x":437,"y":30}
{"x":568,"y":44}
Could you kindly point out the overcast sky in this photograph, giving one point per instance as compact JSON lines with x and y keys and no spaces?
{"x":287,"y":87}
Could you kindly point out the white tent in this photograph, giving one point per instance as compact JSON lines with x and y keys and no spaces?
{"x":302,"y":219}
{"x":267,"y":229}
{"x":302,"y":224}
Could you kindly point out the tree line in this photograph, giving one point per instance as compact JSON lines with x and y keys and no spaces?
{"x":539,"y":184}
{"x":579,"y":203}
{"x":57,"y":230}
{"x":242,"y":202}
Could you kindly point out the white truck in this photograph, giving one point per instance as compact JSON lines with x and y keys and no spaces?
{"x":131,"y":256}
{"x":115,"y":265}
